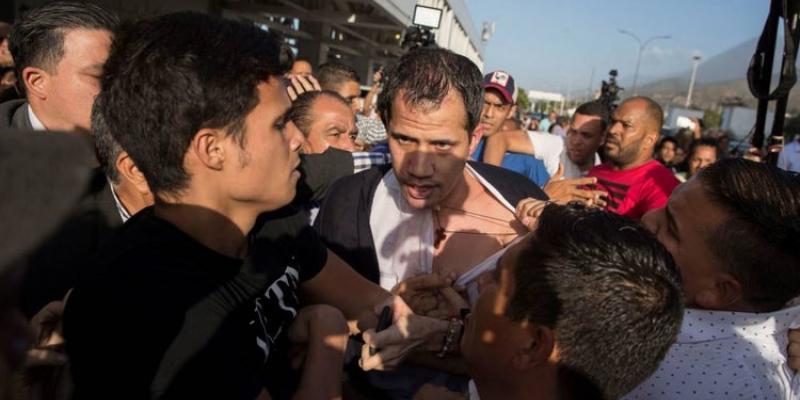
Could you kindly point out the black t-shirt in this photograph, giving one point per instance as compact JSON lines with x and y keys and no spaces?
{"x":166,"y":317}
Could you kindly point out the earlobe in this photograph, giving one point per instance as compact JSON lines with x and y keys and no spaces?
{"x":35,"y":81}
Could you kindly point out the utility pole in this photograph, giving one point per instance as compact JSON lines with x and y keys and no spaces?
{"x":695,"y":63}
{"x":642,"y":46}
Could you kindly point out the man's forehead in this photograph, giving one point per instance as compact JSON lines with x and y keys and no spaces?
{"x":492,"y":95}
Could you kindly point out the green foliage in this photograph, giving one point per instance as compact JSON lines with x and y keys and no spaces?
{"x":712,"y":118}
{"x":523,"y":102}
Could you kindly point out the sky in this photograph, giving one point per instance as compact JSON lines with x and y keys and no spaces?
{"x":553,"y":45}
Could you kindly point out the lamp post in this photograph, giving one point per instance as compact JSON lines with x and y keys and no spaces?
{"x":696,"y":59}
{"x":642,"y":45}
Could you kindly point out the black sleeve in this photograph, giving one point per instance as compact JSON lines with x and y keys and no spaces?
{"x":319,"y":171}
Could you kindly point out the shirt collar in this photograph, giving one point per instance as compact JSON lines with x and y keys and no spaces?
{"x":123,"y":213}
{"x":706,"y":325}
{"x":36,"y":123}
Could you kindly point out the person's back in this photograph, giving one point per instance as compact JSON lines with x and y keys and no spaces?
{"x":147,"y":281}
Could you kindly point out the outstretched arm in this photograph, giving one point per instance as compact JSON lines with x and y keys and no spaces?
{"x":500,"y":143}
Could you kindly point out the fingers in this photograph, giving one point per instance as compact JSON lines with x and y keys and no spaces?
{"x":291,"y":92}
{"x":588,"y":180}
{"x":452,"y":297}
{"x":529,"y":210}
{"x":390,"y":344}
{"x":421,"y":282}
{"x":43,"y":357}
{"x":386,"y":359}
{"x":559,"y":174}
{"x":794,"y":356}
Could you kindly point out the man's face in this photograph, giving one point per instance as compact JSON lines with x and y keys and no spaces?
{"x":495,"y":111}
{"x":333,"y":126}
{"x":584,"y":136}
{"x":552,"y":117}
{"x":628,"y":134}
{"x":429,"y":148}
{"x":75,"y":81}
{"x":685,"y":227}
{"x":702,"y":157}
{"x":301,"y":67}
{"x":5,"y":55}
{"x":491,"y":338}
{"x":264,"y":171}
{"x":350,"y":90}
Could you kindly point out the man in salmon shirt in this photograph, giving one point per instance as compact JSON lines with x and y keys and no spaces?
{"x":635,"y":182}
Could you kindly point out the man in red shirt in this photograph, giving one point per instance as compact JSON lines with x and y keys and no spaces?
{"x":634,"y":181}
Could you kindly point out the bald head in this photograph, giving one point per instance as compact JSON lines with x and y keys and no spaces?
{"x":634,"y":132}
{"x":652,"y":115}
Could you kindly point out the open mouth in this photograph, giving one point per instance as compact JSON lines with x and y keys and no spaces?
{"x":419,"y":192}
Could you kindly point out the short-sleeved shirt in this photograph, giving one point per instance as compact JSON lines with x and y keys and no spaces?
{"x":523,"y":164}
{"x":164,"y":316}
{"x":720,"y":355}
{"x":633,"y":192}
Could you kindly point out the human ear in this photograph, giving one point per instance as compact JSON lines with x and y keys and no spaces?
{"x":208,"y":148}
{"x":36,"y":81}
{"x":725,"y":292}
{"x":130,"y":172}
{"x":538,"y":347}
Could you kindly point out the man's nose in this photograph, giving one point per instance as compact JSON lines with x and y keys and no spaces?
{"x":420,"y":164}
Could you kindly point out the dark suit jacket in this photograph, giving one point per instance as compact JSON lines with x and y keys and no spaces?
{"x":64,"y":259}
{"x":343,"y":219}
{"x":14,"y":114}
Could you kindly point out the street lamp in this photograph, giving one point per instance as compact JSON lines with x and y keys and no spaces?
{"x":642,"y":45}
{"x":696,"y":59}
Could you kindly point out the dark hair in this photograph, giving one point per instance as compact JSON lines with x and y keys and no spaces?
{"x":664,"y":140}
{"x":37,"y":39}
{"x":704,"y":142}
{"x":332,"y":74}
{"x":607,"y":288}
{"x":653,"y":110}
{"x":425,"y":76}
{"x":759,"y":243}
{"x":105,"y":146}
{"x":595,"y":109}
{"x":170,"y":76}
{"x":300,"y":113}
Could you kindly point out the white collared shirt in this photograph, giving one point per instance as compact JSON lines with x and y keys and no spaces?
{"x":572,"y":170}
{"x":727,"y":355}
{"x":36,"y":123}
{"x":789,"y":158}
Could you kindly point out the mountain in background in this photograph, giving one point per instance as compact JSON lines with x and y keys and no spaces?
{"x":722,"y":77}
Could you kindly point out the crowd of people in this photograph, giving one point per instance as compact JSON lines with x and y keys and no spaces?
{"x":193,"y":214}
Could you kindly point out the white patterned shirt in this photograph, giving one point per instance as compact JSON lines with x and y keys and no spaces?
{"x":727,"y":355}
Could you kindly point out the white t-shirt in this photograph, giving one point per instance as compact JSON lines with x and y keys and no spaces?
{"x":726,"y":355}
{"x":547,"y":148}
{"x":572,"y":170}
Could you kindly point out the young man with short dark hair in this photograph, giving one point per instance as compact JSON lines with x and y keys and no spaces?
{"x":341,"y":79}
{"x":584,"y":307}
{"x":189,"y":301}
{"x":734,"y":232}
